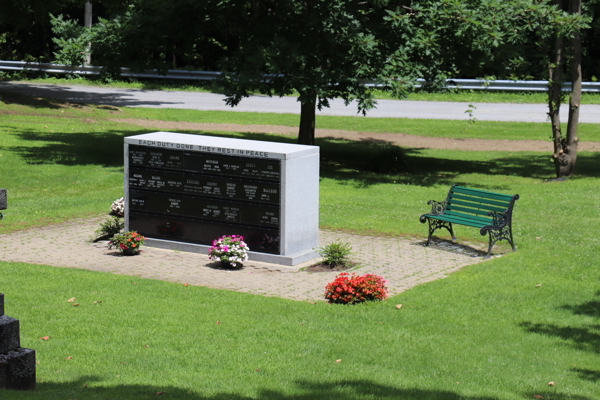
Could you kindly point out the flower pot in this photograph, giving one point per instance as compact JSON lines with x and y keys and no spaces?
{"x":131,"y":252}
{"x":228,"y":265}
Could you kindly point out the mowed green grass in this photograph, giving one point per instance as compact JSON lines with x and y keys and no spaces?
{"x":496,"y":330}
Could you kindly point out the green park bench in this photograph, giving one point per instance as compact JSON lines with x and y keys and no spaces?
{"x":3,"y":202}
{"x":490,"y":212}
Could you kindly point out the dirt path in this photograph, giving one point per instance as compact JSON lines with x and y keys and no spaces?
{"x":394,"y":138}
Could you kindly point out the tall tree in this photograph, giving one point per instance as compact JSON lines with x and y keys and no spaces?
{"x":565,"y":147}
{"x":321,"y":49}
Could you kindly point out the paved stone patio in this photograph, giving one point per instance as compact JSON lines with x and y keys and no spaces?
{"x":405,"y":263}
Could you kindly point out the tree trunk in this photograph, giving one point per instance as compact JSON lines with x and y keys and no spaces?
{"x":568,"y":158}
{"x":554,"y":94}
{"x":87,"y":22}
{"x":306,"y":133}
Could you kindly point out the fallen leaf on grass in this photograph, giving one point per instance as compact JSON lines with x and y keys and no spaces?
{"x":86,"y":385}
{"x":538,"y":285}
{"x":45,"y":337}
{"x":146,"y":346}
{"x":97,"y":302}
{"x":338,"y":361}
{"x":218,"y":323}
{"x":133,"y":283}
{"x":185,"y":284}
{"x":72,"y":299}
{"x":75,"y":304}
{"x":399,"y":306}
{"x":69,"y":358}
{"x":159,"y":393}
{"x":257,"y":369}
{"x":551,"y":383}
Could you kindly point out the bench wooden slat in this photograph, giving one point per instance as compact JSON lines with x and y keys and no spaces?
{"x":467,"y":210}
{"x":481,"y":193}
{"x":484,"y":207}
{"x":469,"y":217}
{"x":461,"y":221}
{"x":503,"y":204}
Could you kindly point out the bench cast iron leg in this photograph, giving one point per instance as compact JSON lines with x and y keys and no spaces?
{"x":430,"y":232}
{"x":435,"y":224}
{"x":452,"y":232}
{"x":489,"y":253}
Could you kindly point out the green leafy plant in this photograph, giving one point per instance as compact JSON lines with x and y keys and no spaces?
{"x":335,"y":254}
{"x":109,"y":228}
{"x":127,"y":240}
{"x":229,"y":249}
{"x":352,"y":289}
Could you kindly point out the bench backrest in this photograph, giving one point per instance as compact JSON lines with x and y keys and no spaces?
{"x":473,"y":204}
{"x":3,"y":202}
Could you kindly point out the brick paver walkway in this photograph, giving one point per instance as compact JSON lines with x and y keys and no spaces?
{"x":403,"y":262}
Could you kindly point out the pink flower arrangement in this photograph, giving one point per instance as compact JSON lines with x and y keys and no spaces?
{"x":229,"y":249}
{"x":351,"y":289}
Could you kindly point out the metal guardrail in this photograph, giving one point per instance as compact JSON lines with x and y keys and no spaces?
{"x":94,"y":70}
{"x":462,"y":84}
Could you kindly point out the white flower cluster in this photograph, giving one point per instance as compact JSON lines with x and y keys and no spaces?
{"x":229,"y":249}
{"x":118,"y":207}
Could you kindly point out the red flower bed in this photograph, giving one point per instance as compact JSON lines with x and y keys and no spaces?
{"x":351,"y":289}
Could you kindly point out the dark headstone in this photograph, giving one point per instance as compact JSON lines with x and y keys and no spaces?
{"x":1,"y":304}
{"x":9,"y":334}
{"x":17,"y":370}
{"x":3,"y":201}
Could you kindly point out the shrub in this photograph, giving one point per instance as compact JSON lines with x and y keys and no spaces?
{"x":335,"y":253}
{"x":109,"y":228}
{"x":351,"y":289}
{"x":229,"y":249}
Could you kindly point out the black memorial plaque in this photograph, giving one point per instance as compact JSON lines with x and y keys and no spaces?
{"x":157,"y":180}
{"x":206,"y":163}
{"x":152,"y":157}
{"x":196,"y":197}
{"x":261,"y":169}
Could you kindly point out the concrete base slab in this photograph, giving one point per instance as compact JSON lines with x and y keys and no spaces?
{"x":290,"y":260}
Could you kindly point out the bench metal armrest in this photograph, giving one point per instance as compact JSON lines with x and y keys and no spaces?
{"x":499,"y":221}
{"x":437,"y":207}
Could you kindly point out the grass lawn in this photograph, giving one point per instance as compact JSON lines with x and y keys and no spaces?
{"x":487,"y":332}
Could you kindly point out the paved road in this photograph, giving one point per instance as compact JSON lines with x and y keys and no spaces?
{"x":212,"y":101}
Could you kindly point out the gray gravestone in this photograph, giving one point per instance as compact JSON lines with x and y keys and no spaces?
{"x":17,"y":365}
{"x":184,"y":191}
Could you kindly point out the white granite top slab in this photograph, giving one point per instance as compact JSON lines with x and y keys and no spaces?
{"x":226,"y":146}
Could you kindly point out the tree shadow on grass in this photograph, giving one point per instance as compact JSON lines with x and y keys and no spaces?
{"x":586,"y":337}
{"x":590,"y":308}
{"x":91,"y":387}
{"x":74,"y":148}
{"x":587,"y":374}
{"x":358,"y":162}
